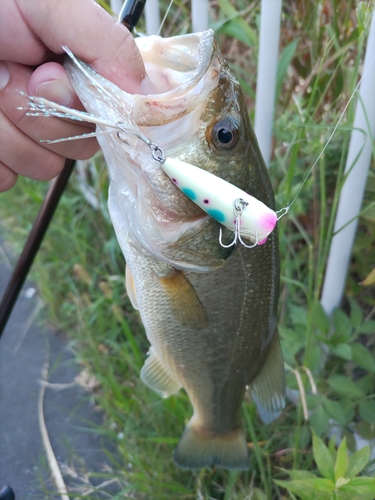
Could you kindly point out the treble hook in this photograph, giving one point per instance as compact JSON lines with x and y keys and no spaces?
{"x":239,"y":207}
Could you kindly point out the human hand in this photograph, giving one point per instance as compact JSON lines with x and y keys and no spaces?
{"x":31,"y":35}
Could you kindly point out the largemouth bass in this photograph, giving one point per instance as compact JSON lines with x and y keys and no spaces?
{"x":209,"y":311}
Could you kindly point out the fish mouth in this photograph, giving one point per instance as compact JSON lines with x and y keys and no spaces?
{"x":182,"y":69}
{"x":176,"y":62}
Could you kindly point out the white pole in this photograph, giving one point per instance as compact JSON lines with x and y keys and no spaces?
{"x":116,"y":6}
{"x":267,"y":68}
{"x":199,"y":15}
{"x":352,"y":192}
{"x":152,"y":15}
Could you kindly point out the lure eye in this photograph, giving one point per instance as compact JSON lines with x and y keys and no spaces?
{"x":224,"y":135}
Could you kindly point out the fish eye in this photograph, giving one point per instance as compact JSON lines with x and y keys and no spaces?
{"x":224,"y":135}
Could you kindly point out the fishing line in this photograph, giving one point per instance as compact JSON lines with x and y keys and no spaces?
{"x":165,"y":17}
{"x":283,"y":211}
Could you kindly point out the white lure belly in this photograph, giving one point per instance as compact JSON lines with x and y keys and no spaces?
{"x":217,"y":198}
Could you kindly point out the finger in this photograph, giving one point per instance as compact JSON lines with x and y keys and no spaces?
{"x":23,"y":156}
{"x":40,"y":127}
{"x":51,"y":78}
{"x":17,"y":42}
{"x":91,"y":33}
{"x":8,"y":178}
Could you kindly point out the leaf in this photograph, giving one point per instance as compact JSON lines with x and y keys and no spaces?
{"x":343,"y":351}
{"x":284,"y":62}
{"x":235,"y":25}
{"x":238,"y":29}
{"x":362,"y":488}
{"x":258,"y":494}
{"x":341,"y":464}
{"x":358,"y":461}
{"x":323,"y":458}
{"x":370,"y":279}
{"x":344,"y":386}
{"x":298,"y":315}
{"x":316,"y":358}
{"x":319,"y":420}
{"x":342,"y":324}
{"x":367,"y":383}
{"x":334,"y":410}
{"x":348,"y":407}
{"x":309,"y":489}
{"x":300,"y":474}
{"x":332,"y":447}
{"x":341,"y":481}
{"x":368,"y":327}
{"x":356,"y":314}
{"x":291,"y":339}
{"x":363,"y":357}
{"x":367,"y":410}
{"x":365,"y":430}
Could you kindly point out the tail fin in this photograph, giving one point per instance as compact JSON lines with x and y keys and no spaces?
{"x":198,"y":448}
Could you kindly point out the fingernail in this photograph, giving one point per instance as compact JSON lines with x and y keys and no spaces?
{"x":55,"y":91}
{"x":4,"y":75}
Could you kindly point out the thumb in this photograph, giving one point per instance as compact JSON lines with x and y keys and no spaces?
{"x":91,"y":34}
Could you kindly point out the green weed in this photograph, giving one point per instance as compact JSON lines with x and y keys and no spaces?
{"x":339,"y":472}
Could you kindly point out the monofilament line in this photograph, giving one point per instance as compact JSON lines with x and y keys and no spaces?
{"x":285,"y":210}
{"x":165,"y":17}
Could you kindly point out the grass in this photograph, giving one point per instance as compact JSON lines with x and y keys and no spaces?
{"x":80,"y":273}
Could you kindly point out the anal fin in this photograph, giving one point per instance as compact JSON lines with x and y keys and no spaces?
{"x":183,"y":300}
{"x":155,"y":376}
{"x":268,"y":388}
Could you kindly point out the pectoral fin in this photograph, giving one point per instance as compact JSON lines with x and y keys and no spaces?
{"x":155,"y":376}
{"x":268,"y":388}
{"x":130,"y":287}
{"x":183,"y":300}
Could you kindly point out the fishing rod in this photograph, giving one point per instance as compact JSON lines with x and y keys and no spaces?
{"x":129,"y":16}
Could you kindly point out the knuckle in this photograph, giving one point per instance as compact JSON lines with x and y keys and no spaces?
{"x":48,"y":169}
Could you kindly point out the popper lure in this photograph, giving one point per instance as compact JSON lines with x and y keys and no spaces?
{"x":235,"y":209}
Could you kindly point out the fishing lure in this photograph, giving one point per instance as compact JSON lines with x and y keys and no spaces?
{"x":220,"y":199}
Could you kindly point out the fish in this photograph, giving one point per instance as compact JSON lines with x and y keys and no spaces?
{"x":209,"y":308}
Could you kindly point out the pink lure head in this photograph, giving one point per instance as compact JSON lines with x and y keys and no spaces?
{"x":268,"y":222}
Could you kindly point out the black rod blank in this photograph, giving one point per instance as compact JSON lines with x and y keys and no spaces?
{"x":131,"y":12}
